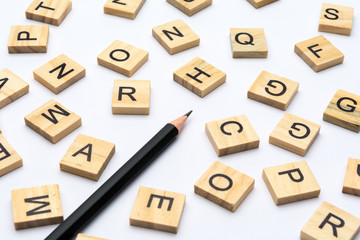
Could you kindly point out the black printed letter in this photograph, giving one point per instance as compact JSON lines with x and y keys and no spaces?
{"x":52,"y":112}
{"x":198,"y":74}
{"x":290,"y":173}
{"x":333,"y":225}
{"x":61,"y":72}
{"x":335,"y":16}
{"x":26,"y":38}
{"x":117,"y":1}
{"x":222,"y":127}
{"x":170,"y":199}
{"x":133,"y":90}
{"x":315,"y":51}
{"x":352,"y":108}
{"x":3,"y":150}
{"x":35,"y":210}
{"x":294,"y":126}
{"x":82,"y":151}
{"x":167,"y":33}
{"x":119,"y":59}
{"x":41,"y":6}
{"x":270,"y":83}
{"x":223,"y":176}
{"x":3,"y":81}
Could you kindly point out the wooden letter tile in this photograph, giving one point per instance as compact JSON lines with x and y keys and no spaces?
{"x":9,"y":158}
{"x":199,"y":77}
{"x":53,"y":121}
{"x":224,"y":186}
{"x":81,"y":236}
{"x":319,"y":53}
{"x":190,"y":7}
{"x":260,"y":3}
{"x":12,"y":87}
{"x":36,"y":206}
{"x":336,"y":19}
{"x":49,"y":11}
{"x":131,"y":97}
{"x":291,"y":182}
{"x":294,"y":134}
{"x":273,"y":90}
{"x":248,"y":43}
{"x":352,"y":177}
{"x":87,"y":157}
{"x":330,"y":223}
{"x":231,"y":135}
{"x":344,"y":111}
{"x":157,"y":209}
{"x":175,"y":36}
{"x":28,"y":39}
{"x":123,"y":58}
{"x":123,"y":8}
{"x":59,"y":73}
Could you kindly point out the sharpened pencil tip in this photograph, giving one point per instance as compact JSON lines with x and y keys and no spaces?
{"x":188,"y":114}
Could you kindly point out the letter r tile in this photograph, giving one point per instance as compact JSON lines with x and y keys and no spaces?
{"x":36,"y":206}
{"x":291,"y":182}
{"x":331,"y":223}
{"x":224,"y":186}
{"x":157,"y":209}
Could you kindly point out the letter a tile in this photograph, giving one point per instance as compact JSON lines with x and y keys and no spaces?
{"x":12,"y":87}
{"x":28,"y":39}
{"x":157,"y":209}
{"x":330,"y":223}
{"x":291,"y":182}
{"x":224,"y":186}
{"x":319,"y":53}
{"x":231,"y":135}
{"x":9,"y":158}
{"x":352,"y":177}
{"x":53,"y":121}
{"x":36,"y":206}
{"x":336,"y":19}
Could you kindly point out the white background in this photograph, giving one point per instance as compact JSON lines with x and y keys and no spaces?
{"x":87,"y":31}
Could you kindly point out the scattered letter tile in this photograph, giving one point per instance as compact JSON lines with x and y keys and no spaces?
{"x":248,"y":43}
{"x":28,"y":39}
{"x":12,"y":87}
{"x":352,"y":177}
{"x":123,"y":8}
{"x":9,"y":158}
{"x":260,"y":3}
{"x":336,"y":19}
{"x":190,"y":7}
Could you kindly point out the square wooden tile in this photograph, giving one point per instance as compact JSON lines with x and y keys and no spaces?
{"x":352,"y":177}
{"x":199,"y":77}
{"x":291,"y":182}
{"x":9,"y":158}
{"x":81,"y":236}
{"x":12,"y":87}
{"x":344,"y":111}
{"x":123,"y":8}
{"x":248,"y":43}
{"x":87,"y":157}
{"x":294,"y":134}
{"x":319,"y":53}
{"x":331,"y":223}
{"x":49,"y":11}
{"x":53,"y":121}
{"x":28,"y":39}
{"x":260,"y":3}
{"x":131,"y":97}
{"x":175,"y":36}
{"x":59,"y":73}
{"x":36,"y":206}
{"x":190,"y":7}
{"x":224,"y":186}
{"x":336,"y":19}
{"x":123,"y":58}
{"x":231,"y":135}
{"x":273,"y":90}
{"x":157,"y":209}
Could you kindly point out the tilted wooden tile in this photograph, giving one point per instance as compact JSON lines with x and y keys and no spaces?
{"x":53,"y":121}
{"x":49,"y":11}
{"x":273,"y":90}
{"x":131,"y":97}
{"x":319,"y":53}
{"x":123,"y":58}
{"x":224,"y":186}
{"x":231,"y":135}
{"x":291,"y":182}
{"x":294,"y":134}
{"x":59,"y":73}
{"x":175,"y":36}
{"x":190,"y":7}
{"x":260,"y":3}
{"x":9,"y":158}
{"x":331,"y":223}
{"x":12,"y":87}
{"x":336,"y":19}
{"x":157,"y":209}
{"x":343,"y":110}
{"x":81,"y":236}
{"x":248,"y":43}
{"x":123,"y":8}
{"x":28,"y":39}
{"x":352,"y":177}
{"x":199,"y":77}
{"x":87,"y":157}
{"x":36,"y":206}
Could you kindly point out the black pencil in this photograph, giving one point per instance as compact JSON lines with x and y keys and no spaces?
{"x":118,"y":181}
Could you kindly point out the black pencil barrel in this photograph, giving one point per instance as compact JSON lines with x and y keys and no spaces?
{"x":120,"y":179}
